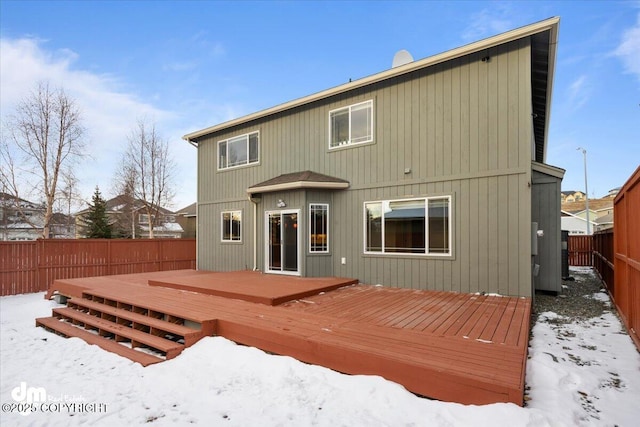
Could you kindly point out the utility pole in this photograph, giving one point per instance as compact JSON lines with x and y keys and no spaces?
{"x":586,"y":189}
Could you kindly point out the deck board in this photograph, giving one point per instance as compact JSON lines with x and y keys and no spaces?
{"x":449,"y":346}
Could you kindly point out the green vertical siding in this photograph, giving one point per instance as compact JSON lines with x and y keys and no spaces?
{"x":463,"y":128}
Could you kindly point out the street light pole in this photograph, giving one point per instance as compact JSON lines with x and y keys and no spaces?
{"x":586,"y":189}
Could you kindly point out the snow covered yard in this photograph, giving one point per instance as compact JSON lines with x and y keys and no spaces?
{"x":581,"y":372}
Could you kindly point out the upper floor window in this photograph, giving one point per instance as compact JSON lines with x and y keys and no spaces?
{"x":232,"y":226}
{"x":144,"y":218}
{"x":239,"y":151}
{"x":409,"y":226}
{"x":351,"y":125}
{"x":319,"y":228}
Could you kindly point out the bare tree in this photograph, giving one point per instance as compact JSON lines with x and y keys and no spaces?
{"x":147,"y":171}
{"x":68,"y":200}
{"x":43,"y":142}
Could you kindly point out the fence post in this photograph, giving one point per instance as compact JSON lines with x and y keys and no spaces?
{"x":39,"y":251}
{"x":109,"y":264}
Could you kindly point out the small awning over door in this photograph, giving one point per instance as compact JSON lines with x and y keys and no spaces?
{"x":299,"y":180}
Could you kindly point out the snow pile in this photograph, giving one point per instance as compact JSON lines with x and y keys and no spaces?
{"x":584,"y":373}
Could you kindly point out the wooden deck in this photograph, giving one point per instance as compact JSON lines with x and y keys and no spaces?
{"x":252,"y":286}
{"x":463,"y":348}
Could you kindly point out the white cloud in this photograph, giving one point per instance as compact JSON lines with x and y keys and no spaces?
{"x":629,"y":49}
{"x":108,"y":112}
{"x":579,"y":92}
{"x":489,"y":22}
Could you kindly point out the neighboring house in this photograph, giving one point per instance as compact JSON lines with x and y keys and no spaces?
{"x":604,"y":222}
{"x":187,"y":218}
{"x":428,"y":175}
{"x":596,"y":206}
{"x":572,"y":196}
{"x":604,"y":211}
{"x":130,"y":220}
{"x":24,"y":220}
{"x":577,"y":225}
{"x":613,"y":192}
{"x":583,"y":214}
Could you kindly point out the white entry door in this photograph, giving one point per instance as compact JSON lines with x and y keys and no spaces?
{"x":282,"y":239}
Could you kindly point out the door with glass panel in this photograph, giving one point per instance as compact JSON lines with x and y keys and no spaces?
{"x":282,"y":242}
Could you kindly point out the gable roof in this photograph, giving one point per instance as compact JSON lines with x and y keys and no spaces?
{"x":118,"y":203}
{"x":298,"y":180}
{"x":544,"y":36}
{"x":188,"y":211}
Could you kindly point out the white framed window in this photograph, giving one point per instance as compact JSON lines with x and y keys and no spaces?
{"x":239,"y":151}
{"x":318,"y":228}
{"x":231,"y":224}
{"x":351,"y":125}
{"x":144,"y":218}
{"x":417,"y":226}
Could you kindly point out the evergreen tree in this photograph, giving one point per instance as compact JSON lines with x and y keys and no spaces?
{"x":96,"y":222}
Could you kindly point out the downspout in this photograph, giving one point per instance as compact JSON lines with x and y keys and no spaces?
{"x":195,"y":144}
{"x":255,"y":232}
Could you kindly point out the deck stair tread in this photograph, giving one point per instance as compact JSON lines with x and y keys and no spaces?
{"x":189,"y":334}
{"x":170,"y":348}
{"x":68,"y":330}
{"x":158,"y":302}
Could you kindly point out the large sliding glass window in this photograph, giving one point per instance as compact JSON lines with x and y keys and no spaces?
{"x":351,"y":125}
{"x":410,"y":226}
{"x":232,"y":226}
{"x":239,"y":151}
{"x":318,"y":228}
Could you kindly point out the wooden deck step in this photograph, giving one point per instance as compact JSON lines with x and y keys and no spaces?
{"x":158,"y":327}
{"x":120,"y":332}
{"x":68,"y":330}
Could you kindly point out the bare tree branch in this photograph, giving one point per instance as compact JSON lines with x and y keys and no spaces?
{"x":147,"y":171}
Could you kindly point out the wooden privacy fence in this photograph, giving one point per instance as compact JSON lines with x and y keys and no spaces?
{"x":603,"y":260}
{"x":580,"y":251}
{"x":27,"y":267}
{"x":626,"y":247}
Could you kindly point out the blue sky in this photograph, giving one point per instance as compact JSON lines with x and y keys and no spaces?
{"x":190,"y":65}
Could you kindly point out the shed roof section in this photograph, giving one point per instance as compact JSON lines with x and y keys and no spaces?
{"x":543,"y":34}
{"x":299,"y":180}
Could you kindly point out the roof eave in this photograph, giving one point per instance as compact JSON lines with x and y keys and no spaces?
{"x":550,"y":24}
{"x":298,"y":185}
{"x":548,"y":169}
{"x":553,"y":43}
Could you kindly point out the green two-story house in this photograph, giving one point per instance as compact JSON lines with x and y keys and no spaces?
{"x":421,"y":176}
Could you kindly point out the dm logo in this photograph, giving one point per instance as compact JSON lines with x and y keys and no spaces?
{"x":27,"y":396}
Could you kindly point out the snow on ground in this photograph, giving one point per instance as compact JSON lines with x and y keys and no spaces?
{"x":585,"y":373}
